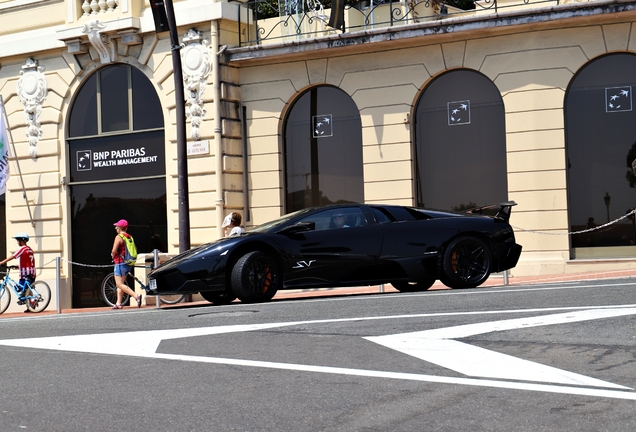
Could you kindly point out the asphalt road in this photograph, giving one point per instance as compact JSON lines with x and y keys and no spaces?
{"x":552,"y":357}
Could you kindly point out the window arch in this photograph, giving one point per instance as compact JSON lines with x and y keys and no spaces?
{"x":323,"y":150}
{"x":600,"y":125}
{"x":116,"y":148}
{"x":460,"y":142}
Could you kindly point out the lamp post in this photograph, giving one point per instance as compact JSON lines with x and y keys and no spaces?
{"x":607,"y":200}
{"x":182,"y":152}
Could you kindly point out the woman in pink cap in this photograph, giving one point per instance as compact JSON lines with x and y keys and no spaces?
{"x":121,"y":268}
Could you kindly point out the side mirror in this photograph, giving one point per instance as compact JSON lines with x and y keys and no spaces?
{"x":297,"y":228}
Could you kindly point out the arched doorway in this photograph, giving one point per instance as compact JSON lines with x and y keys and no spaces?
{"x":323,"y":150}
{"x":600,"y":125}
{"x":116,"y":150}
{"x":460,"y":143}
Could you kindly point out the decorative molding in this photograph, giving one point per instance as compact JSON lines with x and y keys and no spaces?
{"x":197,"y":65}
{"x":100,"y":42}
{"x":32,"y":90}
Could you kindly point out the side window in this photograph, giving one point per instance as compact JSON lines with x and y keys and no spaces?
{"x":380,"y":216}
{"x":337,"y":218}
{"x":418,"y":214}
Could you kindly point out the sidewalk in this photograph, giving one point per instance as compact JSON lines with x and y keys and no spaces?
{"x":493,"y":281}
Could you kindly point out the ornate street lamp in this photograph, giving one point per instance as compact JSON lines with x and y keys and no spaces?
{"x":607,"y":200}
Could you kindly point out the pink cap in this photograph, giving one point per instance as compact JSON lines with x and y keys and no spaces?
{"x":121,"y":223}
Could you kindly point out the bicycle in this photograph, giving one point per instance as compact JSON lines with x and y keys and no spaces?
{"x":36,"y":296}
{"x":109,"y":292}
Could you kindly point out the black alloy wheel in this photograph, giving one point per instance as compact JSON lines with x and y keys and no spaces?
{"x":467,"y":263}
{"x":256,"y":277}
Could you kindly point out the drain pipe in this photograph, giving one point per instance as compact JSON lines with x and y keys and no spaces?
{"x":218,"y":144}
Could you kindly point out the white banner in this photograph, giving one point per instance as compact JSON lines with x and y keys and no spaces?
{"x":5,"y":151}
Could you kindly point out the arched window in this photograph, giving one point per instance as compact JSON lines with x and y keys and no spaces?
{"x":116,"y":150}
{"x":460,"y":143}
{"x":600,"y":122}
{"x":323,"y":150}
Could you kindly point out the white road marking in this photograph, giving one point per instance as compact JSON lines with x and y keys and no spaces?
{"x":436,"y":346}
{"x":145,"y":344}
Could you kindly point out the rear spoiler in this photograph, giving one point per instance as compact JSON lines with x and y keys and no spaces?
{"x":504,"y":210}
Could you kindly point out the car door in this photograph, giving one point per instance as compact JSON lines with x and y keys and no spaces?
{"x":413,"y":239}
{"x":332,"y":252}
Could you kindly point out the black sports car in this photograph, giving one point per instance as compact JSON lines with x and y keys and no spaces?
{"x":346,"y":245}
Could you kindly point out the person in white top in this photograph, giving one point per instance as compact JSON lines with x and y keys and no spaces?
{"x":232,"y":223}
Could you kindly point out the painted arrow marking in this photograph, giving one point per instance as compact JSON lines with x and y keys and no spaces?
{"x":437,"y":346}
{"x":145,"y":344}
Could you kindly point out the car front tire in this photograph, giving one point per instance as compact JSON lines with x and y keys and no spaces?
{"x":467,"y":263}
{"x":256,"y":277}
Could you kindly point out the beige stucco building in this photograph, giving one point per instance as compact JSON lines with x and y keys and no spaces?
{"x":540,"y":83}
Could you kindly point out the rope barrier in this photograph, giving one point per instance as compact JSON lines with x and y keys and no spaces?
{"x":600,"y":227}
{"x":97,"y":265}
{"x":43,"y":266}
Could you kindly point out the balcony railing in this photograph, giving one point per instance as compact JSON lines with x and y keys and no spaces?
{"x":96,"y":7}
{"x":274,"y":21}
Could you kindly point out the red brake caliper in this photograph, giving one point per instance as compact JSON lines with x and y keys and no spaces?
{"x":268,"y":280}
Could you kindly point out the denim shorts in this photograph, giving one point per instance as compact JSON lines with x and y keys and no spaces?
{"x":122,"y":269}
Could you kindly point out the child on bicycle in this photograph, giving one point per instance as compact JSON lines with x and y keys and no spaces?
{"x":26,"y":262}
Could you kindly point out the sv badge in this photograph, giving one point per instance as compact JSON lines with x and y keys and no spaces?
{"x":303,"y":264}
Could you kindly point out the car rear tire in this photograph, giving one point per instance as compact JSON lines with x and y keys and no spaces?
{"x":421,"y":285}
{"x":256,"y":277}
{"x":218,"y":298}
{"x":467,"y":263}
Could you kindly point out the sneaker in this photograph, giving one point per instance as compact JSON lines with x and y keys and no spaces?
{"x":116,"y":307}
{"x":138,"y":298}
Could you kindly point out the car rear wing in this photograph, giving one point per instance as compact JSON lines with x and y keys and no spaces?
{"x":505,"y":208}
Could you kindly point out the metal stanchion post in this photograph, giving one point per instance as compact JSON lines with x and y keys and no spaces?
{"x":505,"y":277}
{"x":58,"y":280}
{"x":381,"y":288}
{"x":155,"y":254}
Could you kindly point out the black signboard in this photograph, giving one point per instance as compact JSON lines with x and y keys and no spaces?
{"x":118,"y":156}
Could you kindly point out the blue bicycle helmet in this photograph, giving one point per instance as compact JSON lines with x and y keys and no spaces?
{"x":21,"y":236}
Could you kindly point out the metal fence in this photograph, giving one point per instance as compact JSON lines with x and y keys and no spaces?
{"x":274,"y":21}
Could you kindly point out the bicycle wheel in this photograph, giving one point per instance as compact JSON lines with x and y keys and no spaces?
{"x":109,"y":291}
{"x":5,"y":298}
{"x":171,"y":299}
{"x":41,"y":296}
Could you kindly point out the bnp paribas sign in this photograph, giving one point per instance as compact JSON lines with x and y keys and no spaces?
{"x":118,"y":157}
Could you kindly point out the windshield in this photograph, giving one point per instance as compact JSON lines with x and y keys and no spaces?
{"x":280,"y":221}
